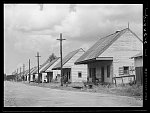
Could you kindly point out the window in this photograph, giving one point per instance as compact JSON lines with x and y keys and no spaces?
{"x":79,"y":74}
{"x":108,"y":71}
{"x":126,"y":70}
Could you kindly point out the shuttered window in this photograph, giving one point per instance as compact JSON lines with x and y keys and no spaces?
{"x":120,"y":70}
{"x":124,"y":70}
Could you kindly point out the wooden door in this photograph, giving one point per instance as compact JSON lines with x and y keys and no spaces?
{"x":139,"y":75}
{"x":93,"y":74}
{"x":40,"y":74}
{"x":33,"y":77}
{"x":48,"y":77}
{"x":51,"y":76}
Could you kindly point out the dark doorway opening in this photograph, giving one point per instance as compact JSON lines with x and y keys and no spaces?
{"x":93,"y":74}
{"x":102,"y":74}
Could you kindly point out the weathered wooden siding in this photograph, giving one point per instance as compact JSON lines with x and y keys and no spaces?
{"x":79,"y":68}
{"x":44,"y":77}
{"x":55,"y":73}
{"x":138,"y":62}
{"x":31,"y":77}
{"x":98,"y":66}
{"x":122,"y":50}
{"x":36,"y":76}
{"x":27,"y":77}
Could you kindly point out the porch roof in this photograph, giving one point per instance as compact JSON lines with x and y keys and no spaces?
{"x":104,"y":58}
{"x":96,"y":59}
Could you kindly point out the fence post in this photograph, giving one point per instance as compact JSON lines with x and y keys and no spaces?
{"x":122,"y":80}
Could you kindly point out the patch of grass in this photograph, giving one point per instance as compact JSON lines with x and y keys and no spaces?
{"x":123,"y":90}
{"x":127,"y":90}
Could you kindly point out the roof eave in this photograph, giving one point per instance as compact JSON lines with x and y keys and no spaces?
{"x":85,"y":61}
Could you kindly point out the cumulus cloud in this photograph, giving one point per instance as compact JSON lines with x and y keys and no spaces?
{"x":29,"y":29}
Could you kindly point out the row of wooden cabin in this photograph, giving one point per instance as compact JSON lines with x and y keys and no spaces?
{"x":110,"y":57}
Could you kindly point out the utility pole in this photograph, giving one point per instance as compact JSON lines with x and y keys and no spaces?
{"x":29,"y":70}
{"x":23,"y":72}
{"x":38,"y":66}
{"x":61,"y":57}
{"x":17,"y":74}
{"x":20,"y":71}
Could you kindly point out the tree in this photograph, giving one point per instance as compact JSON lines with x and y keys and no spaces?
{"x":52,"y":57}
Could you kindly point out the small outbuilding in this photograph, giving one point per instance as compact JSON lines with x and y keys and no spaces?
{"x":138,"y":63}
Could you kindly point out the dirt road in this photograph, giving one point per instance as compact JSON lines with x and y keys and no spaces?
{"x":19,"y":95}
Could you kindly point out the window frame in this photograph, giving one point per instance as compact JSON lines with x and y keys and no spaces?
{"x":80,"y":72}
{"x":125,"y":72}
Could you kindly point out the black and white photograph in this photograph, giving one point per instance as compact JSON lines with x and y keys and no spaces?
{"x":73,"y":55}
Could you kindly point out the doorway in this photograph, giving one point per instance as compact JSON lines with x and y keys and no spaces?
{"x":92,"y":74}
{"x":49,"y":76}
{"x":102,"y":74}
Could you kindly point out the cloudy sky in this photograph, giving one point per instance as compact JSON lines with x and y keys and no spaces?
{"x":29,"y":28}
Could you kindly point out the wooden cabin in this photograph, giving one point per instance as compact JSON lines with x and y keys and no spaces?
{"x":48,"y":74}
{"x":72,"y":72}
{"x":138,"y":63}
{"x":110,"y":56}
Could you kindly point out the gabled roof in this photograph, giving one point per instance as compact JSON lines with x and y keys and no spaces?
{"x":33,"y":69}
{"x":67,"y":58}
{"x":50,"y":63}
{"x":101,"y":45}
{"x":26,"y":72}
{"x":36,"y":70}
{"x":138,"y":55}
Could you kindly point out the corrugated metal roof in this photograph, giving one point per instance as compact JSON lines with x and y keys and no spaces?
{"x":101,"y":45}
{"x":50,"y":63}
{"x":33,"y":69}
{"x":66,"y":58}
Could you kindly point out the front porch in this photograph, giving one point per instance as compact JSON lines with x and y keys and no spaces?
{"x":100,"y":71}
